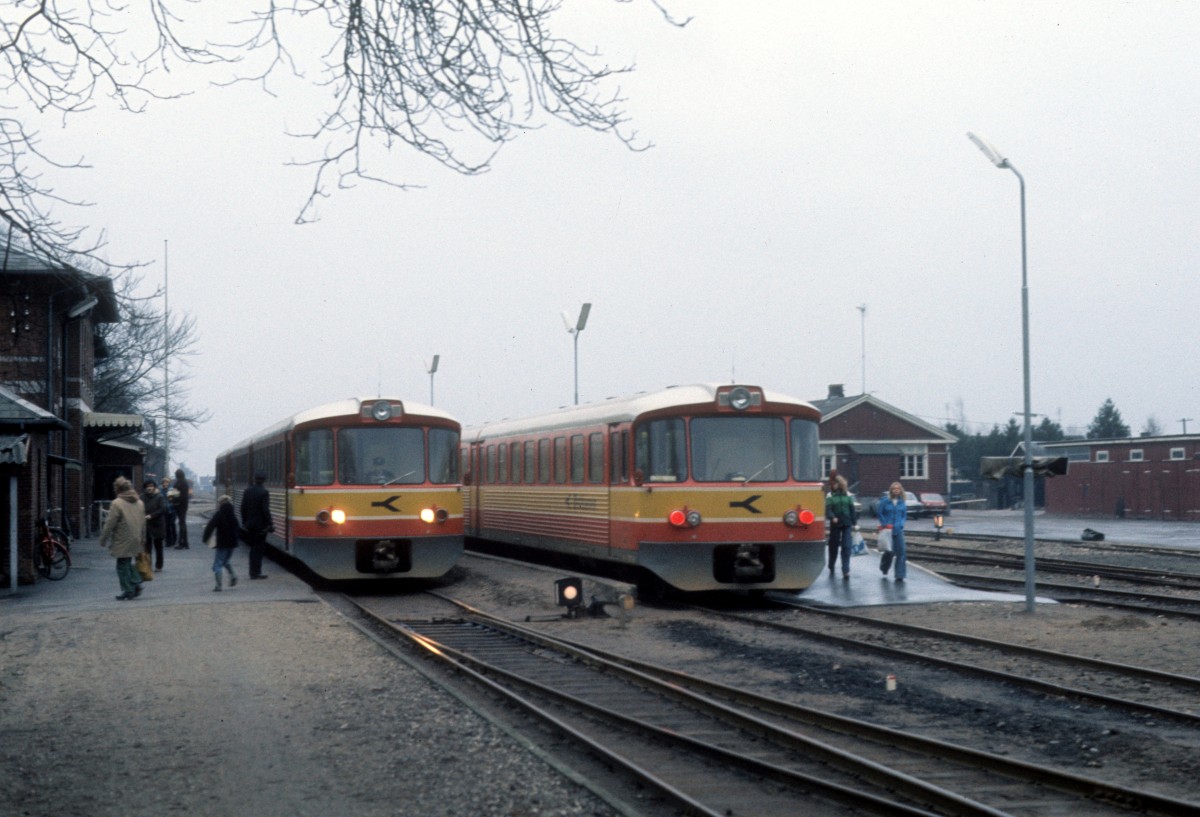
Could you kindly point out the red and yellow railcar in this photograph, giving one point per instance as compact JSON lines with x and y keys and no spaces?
{"x":360,"y":489}
{"x":704,"y":487}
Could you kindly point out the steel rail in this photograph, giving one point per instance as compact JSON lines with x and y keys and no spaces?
{"x":747,"y":758}
{"x":974,"y":762}
{"x":974,"y":669}
{"x":1180,"y":606}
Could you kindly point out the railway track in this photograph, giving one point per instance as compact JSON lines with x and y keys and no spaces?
{"x":1175,"y":592}
{"x":1139,"y":691}
{"x":711,"y":749}
{"x":1177,"y":580}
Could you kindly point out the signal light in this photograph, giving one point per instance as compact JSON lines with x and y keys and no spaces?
{"x":568,"y":593}
{"x":339,"y":516}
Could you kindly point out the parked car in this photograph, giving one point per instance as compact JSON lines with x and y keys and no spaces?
{"x":935,"y":504}
{"x":915,"y":509}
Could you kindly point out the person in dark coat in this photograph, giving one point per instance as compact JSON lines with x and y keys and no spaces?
{"x":169,"y":518}
{"x":181,"y":507}
{"x":224,"y":526}
{"x":156,"y":521}
{"x":257,"y":522}
{"x":840,"y":518}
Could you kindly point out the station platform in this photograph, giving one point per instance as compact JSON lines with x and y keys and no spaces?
{"x":868,"y":587}
{"x":186,"y":578}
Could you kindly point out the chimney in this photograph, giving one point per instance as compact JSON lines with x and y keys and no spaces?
{"x":836,"y":390}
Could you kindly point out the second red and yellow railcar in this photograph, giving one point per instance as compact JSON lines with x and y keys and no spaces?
{"x":360,"y":489}
{"x":704,"y":487}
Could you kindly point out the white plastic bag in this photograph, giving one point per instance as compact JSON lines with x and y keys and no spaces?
{"x":858,"y":545}
{"x":884,"y":540}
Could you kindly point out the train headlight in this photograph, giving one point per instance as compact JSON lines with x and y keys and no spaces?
{"x":327,"y":515}
{"x":739,"y":398}
{"x":434,"y":514}
{"x":683,"y":518}
{"x":381,"y":410}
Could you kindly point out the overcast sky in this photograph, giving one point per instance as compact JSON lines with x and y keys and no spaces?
{"x":808,"y":158}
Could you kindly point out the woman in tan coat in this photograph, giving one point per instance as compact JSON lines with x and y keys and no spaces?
{"x":124,"y":534}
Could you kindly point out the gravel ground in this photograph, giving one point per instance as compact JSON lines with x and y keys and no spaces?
{"x":244,"y":709}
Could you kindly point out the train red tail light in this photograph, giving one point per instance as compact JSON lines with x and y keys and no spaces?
{"x":798,"y":517}
{"x":683,"y":518}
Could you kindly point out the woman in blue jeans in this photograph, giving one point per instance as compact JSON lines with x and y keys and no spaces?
{"x":893,"y":512}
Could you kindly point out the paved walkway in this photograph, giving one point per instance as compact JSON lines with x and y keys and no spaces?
{"x":186,"y":579}
{"x":1066,"y":528}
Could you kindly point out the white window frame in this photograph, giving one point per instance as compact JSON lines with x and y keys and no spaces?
{"x":1101,"y":456}
{"x":827,"y":464}
{"x":1178,"y":454}
{"x":914,"y":466}
{"x":1137,"y":455}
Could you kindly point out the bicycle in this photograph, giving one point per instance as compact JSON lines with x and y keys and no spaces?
{"x":53,"y":550}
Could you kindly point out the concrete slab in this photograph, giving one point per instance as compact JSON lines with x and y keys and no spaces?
{"x":868,"y":587}
{"x":186,"y":579}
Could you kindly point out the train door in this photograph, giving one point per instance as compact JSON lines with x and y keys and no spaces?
{"x":472,"y":475}
{"x":616,"y":471}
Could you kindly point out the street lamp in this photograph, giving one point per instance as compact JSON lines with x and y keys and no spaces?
{"x":432,"y":369}
{"x":995,"y":157}
{"x":575,"y":330}
{"x":863,"y":310}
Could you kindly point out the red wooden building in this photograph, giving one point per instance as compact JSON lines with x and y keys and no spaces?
{"x":1136,"y":477}
{"x":872,"y":444}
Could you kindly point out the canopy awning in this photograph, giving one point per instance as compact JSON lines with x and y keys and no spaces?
{"x":13,"y":449}
{"x":106,"y":420}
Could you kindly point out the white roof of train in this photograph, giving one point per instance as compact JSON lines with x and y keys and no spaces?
{"x":616,"y":410}
{"x":340,"y":408}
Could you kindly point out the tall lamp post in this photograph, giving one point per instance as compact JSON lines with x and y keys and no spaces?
{"x":431,"y":367}
{"x":995,"y":157}
{"x":863,"y":310}
{"x":574,"y":331}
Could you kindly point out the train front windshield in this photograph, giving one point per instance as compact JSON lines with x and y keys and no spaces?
{"x":728,"y":449}
{"x":386,"y":455}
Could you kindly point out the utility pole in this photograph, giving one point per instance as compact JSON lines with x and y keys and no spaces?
{"x":1185,"y":421}
{"x":863,"y":309}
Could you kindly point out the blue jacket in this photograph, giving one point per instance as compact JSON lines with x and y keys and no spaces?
{"x":893,"y":512}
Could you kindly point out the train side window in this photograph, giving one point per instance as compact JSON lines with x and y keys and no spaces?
{"x":660,"y":450}
{"x":491,"y":464}
{"x":544,"y":461}
{"x":577,"y":459}
{"x":443,"y":465}
{"x":530,"y":463}
{"x":502,"y":463}
{"x":314,"y":457}
{"x":806,"y":456}
{"x":618,"y":465}
{"x":595,"y":458}
{"x":560,"y":460}
{"x":514,"y":451}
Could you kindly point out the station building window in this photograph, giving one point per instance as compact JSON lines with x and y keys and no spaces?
{"x":1178,"y":453}
{"x":1137,"y":455}
{"x":914,"y":466}
{"x":1101,"y":456}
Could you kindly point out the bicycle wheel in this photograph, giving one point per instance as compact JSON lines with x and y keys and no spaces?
{"x":60,"y":563}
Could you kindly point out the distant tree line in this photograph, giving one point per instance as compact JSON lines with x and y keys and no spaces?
{"x":1001,"y":442}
